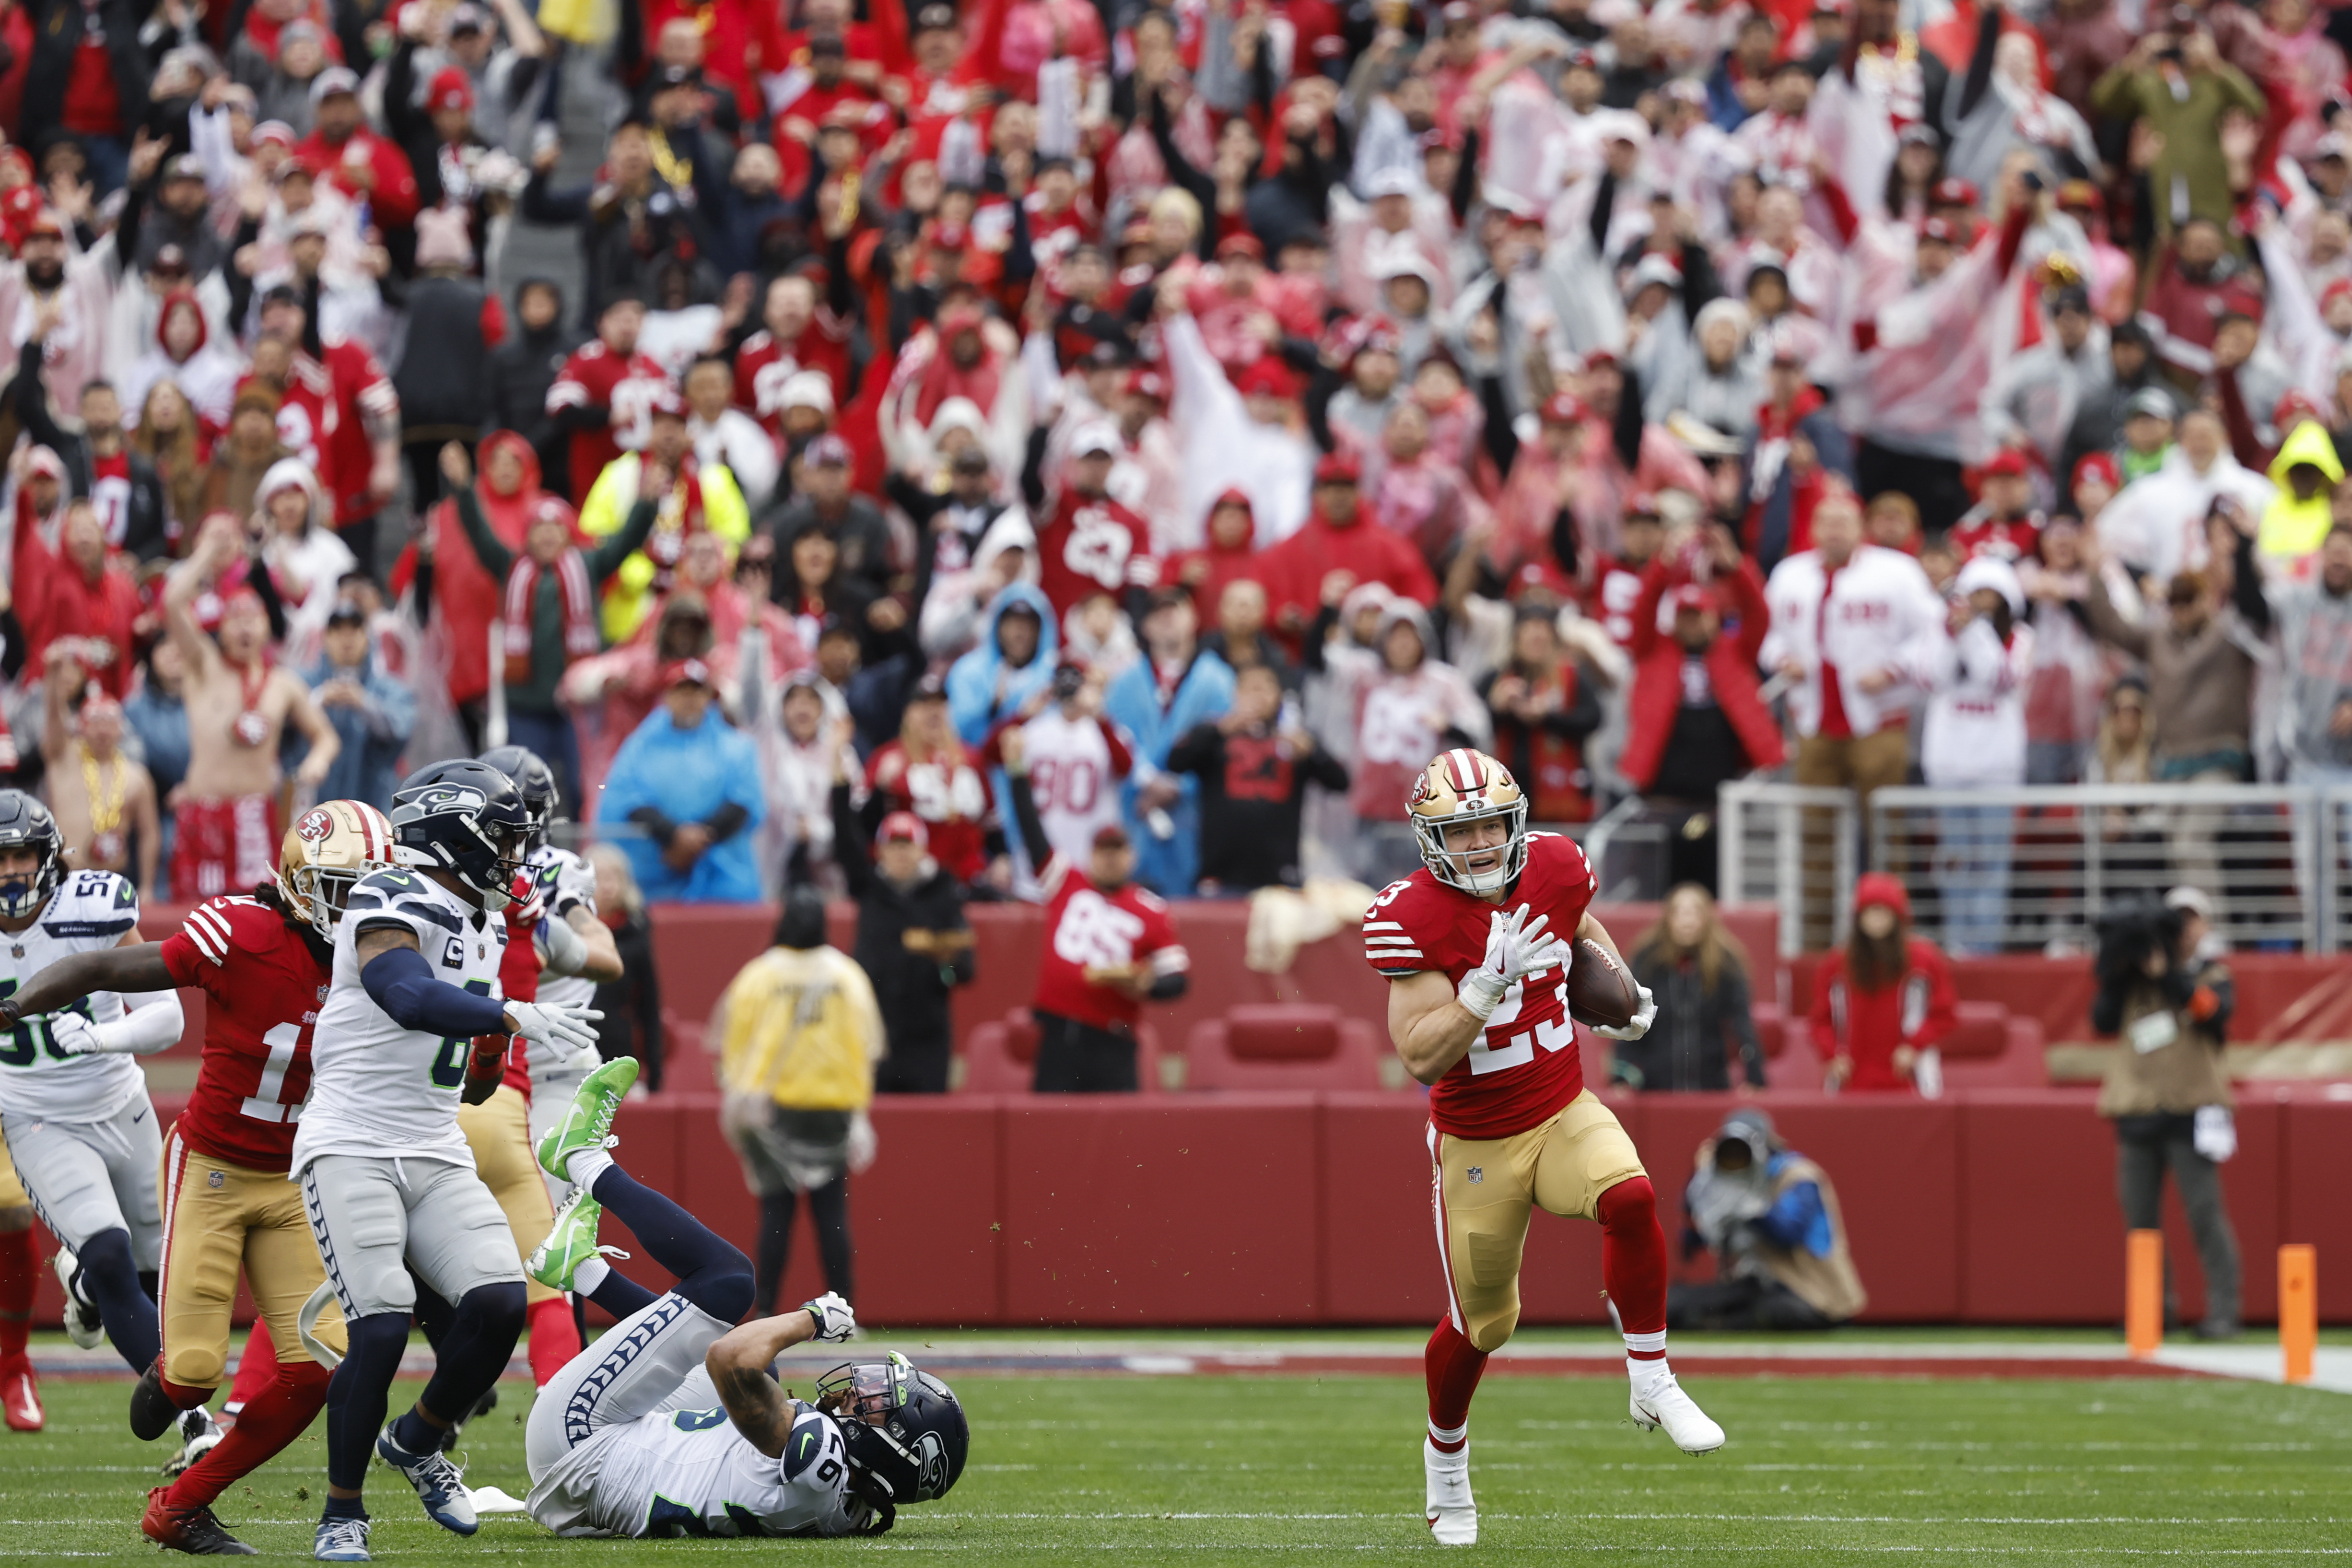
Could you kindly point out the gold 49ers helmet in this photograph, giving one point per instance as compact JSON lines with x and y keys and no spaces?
{"x":333,"y":846}
{"x":1462,"y":787}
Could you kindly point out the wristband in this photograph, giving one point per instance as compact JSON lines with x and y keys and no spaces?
{"x":1480,"y":992}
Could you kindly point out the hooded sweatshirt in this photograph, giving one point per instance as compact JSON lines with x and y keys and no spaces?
{"x":525,"y":365}
{"x":1294,"y":570}
{"x":207,"y":377}
{"x":983,"y":689}
{"x":464,"y":596}
{"x":1865,"y":1026}
{"x":305,"y":566}
{"x":953,"y":610}
{"x":2290,"y":529}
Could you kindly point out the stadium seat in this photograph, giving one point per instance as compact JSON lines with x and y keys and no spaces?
{"x":2019,"y":1063}
{"x":1001,"y":1057}
{"x":1284,"y":1046}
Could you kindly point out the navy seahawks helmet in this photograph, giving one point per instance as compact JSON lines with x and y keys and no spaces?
{"x":903,"y":1429}
{"x":535,"y":780}
{"x":469,"y":819}
{"x":26,"y":822}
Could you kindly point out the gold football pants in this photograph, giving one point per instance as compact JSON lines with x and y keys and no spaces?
{"x":1483,"y":1191}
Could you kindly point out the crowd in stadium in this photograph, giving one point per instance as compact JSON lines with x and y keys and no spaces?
{"x":1247,"y":401}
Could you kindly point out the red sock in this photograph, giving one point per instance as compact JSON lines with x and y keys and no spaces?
{"x":554,"y":1339}
{"x":273,"y":1418}
{"x":1453,"y":1366}
{"x":18,"y":1277}
{"x":1633,"y":1265}
{"x":257,"y":1369}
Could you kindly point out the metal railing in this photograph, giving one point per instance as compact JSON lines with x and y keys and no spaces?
{"x":1992,"y":870}
{"x":2033,"y":868}
{"x":1795,"y":846}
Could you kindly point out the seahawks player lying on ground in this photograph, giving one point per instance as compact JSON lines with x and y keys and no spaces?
{"x":672,"y":1423}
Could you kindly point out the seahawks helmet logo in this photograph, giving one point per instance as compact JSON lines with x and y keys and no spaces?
{"x":931,"y":1465}
{"x":442,"y":797}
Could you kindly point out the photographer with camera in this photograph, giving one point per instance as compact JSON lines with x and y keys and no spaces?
{"x":1771,"y":1218}
{"x":2163,"y":988}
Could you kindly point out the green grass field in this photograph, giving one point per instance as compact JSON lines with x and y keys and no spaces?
{"x":1212,"y":1469}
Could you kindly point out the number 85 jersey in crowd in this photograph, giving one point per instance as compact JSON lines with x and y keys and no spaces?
{"x":91,"y":910}
{"x":1525,"y":1066}
{"x":264,"y":981}
{"x":378,"y":1090}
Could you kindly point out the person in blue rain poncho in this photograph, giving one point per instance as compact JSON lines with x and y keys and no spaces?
{"x":690,"y":780}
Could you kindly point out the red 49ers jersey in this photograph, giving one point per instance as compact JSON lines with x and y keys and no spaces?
{"x":1091,"y":547}
{"x":763,"y":365}
{"x":1087,"y":928}
{"x":597,"y":377}
{"x":1526,"y":1066}
{"x":263,"y":987}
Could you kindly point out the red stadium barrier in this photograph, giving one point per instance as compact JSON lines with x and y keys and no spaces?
{"x":1992,"y":1205}
{"x":1996,"y":1206}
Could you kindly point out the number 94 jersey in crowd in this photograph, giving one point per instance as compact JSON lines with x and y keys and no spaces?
{"x":264,"y":982}
{"x":1525,"y":1066}
{"x":378,"y":1090}
{"x":91,"y":910}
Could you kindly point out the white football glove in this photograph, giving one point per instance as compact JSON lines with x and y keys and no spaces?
{"x":863,"y":1144}
{"x":1644,"y":1016}
{"x":1515,"y":947}
{"x":835,"y":1321}
{"x":75,"y":1035}
{"x":564,"y":1025}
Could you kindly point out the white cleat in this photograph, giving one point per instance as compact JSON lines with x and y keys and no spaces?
{"x":1662,"y":1402}
{"x":82,"y":1324}
{"x":199,"y":1434}
{"x":1453,"y":1516}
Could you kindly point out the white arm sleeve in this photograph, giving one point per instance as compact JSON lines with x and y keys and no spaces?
{"x":152,"y":1021}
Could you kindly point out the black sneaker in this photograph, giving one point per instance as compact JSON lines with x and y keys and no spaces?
{"x":193,"y":1531}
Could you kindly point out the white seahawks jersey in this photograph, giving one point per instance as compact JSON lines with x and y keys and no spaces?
{"x":91,"y":910}
{"x":563,"y":878}
{"x":376,"y":1087}
{"x":689,"y":1472}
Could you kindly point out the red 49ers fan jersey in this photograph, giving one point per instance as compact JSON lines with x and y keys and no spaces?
{"x":1087,"y":928}
{"x":1527,"y":1065}
{"x":597,"y":377}
{"x":1090,"y":547}
{"x":263,"y":987}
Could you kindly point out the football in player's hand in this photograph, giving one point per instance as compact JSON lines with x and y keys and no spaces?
{"x":1600,"y":990}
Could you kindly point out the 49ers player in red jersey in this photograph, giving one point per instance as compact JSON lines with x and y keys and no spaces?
{"x":1476,"y":947}
{"x":263,"y":964}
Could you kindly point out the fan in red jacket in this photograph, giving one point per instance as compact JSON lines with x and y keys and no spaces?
{"x":370,"y":169}
{"x":1885,"y":997}
{"x":1695,"y":694}
{"x":1340,"y":535}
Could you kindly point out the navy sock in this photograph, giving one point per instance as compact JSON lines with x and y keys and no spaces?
{"x":620,"y":1296}
{"x":358,"y":1392}
{"x":473,"y":1353}
{"x":344,"y":1508}
{"x":710,"y":1272}
{"x":111,"y":1279}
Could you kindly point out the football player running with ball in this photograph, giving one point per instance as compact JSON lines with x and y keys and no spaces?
{"x":672,"y":1423}
{"x":262,"y":962}
{"x":388,"y":1182}
{"x":1476,"y":948}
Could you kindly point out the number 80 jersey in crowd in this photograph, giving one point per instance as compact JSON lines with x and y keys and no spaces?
{"x":91,"y":910}
{"x":1524,"y":1067}
{"x":264,"y":980}
{"x":376,"y":1089}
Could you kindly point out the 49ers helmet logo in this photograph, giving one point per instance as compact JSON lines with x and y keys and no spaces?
{"x":317,"y":824}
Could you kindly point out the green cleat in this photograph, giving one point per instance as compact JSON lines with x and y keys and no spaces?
{"x":571,"y":1243}
{"x":588,"y":1125}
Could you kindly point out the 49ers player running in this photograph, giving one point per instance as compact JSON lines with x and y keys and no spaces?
{"x":1476,"y":948}
{"x":263,"y":964}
